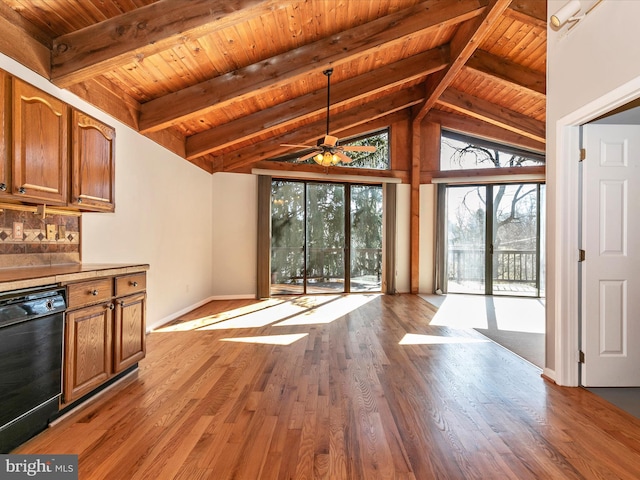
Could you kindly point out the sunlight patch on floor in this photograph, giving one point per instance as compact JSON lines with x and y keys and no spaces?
{"x":290,"y":308}
{"x":415,"y":339}
{"x":467,"y":311}
{"x":219,"y":317}
{"x":329,"y":312}
{"x":514,"y":314}
{"x":269,"y":339}
{"x":519,"y":315}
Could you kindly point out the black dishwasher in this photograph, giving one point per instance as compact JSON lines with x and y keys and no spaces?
{"x":31,"y":337}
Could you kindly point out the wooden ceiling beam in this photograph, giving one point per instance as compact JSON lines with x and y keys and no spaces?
{"x":464,"y":43}
{"x":130,"y":37}
{"x":519,"y":77}
{"x":493,"y":114}
{"x":529,"y":12}
{"x":24,"y":42}
{"x":347,"y":119}
{"x":312,"y":104}
{"x":310,"y":59}
{"x":476,"y":127}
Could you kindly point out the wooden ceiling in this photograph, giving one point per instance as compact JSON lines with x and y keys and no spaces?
{"x":223,"y":83}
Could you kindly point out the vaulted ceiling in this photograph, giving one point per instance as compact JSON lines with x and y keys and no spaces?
{"x":223,"y":83}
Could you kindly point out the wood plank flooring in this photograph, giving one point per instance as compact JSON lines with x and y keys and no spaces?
{"x":340,"y":387}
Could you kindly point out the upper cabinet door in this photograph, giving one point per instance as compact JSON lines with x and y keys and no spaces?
{"x":92,"y":164}
{"x":40,"y":139}
{"x":5,"y":133}
{"x":40,"y":145}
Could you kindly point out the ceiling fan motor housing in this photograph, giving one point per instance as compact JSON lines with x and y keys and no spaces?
{"x":328,"y":141}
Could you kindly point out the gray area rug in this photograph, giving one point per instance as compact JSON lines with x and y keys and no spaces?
{"x":627,"y":399}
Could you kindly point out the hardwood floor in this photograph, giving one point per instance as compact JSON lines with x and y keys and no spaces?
{"x":366,"y":388}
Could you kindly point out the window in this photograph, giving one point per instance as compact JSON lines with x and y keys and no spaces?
{"x":461,"y":152}
{"x":378,"y":160}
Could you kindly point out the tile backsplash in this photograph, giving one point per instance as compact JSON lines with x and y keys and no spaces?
{"x":26,"y":239}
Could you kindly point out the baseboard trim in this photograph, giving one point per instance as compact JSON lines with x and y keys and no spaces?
{"x":549,"y":375}
{"x":244,"y":296}
{"x":173,"y":316}
{"x":170,"y":318}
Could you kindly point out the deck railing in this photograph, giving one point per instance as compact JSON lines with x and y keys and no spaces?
{"x":513,"y":266}
{"x":287,"y":263}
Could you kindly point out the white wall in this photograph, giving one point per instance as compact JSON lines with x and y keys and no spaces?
{"x":591,"y":69}
{"x":235,"y":233}
{"x":163,"y":214}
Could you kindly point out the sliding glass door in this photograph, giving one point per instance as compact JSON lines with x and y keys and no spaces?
{"x":494,"y":239}
{"x":325,"y":239}
{"x":365,"y":227}
{"x":516,"y":240}
{"x":315,"y":236}
{"x":466,"y":239}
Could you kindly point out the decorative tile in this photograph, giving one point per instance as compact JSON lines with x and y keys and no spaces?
{"x":34,"y":248}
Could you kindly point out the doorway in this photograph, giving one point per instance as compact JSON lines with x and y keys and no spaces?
{"x":494,"y":239}
{"x":325,"y":237}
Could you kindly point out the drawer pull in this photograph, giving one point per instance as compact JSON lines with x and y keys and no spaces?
{"x":94,"y":293}
{"x":134,"y":284}
{"x":111,"y":306}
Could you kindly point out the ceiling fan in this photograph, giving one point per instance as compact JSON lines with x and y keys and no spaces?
{"x":327,"y":152}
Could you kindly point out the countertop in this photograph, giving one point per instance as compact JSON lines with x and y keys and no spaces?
{"x":29,"y":277}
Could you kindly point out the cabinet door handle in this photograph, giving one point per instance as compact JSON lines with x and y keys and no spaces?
{"x":111,"y":306}
{"x":79,"y":200}
{"x":22,"y":190}
{"x":134,"y":284}
{"x":3,"y":187}
{"x":94,"y":293}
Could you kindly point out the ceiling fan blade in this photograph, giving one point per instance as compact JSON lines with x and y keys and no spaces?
{"x":296,"y":145}
{"x":343,"y":157}
{"x":307,"y":156}
{"x":359,"y":148}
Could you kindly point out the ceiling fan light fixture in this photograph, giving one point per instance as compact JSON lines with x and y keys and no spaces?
{"x":326,"y":159}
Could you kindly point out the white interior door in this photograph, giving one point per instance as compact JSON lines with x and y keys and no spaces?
{"x":611,"y":271}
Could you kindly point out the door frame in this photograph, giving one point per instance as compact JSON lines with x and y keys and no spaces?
{"x":563,"y":296}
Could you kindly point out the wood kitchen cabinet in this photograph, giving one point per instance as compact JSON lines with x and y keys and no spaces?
{"x":88,"y":347}
{"x":105,"y":331}
{"x":40,"y":145}
{"x":92,"y":164}
{"x":5,"y":133}
{"x":130,"y":321}
{"x":89,"y":337}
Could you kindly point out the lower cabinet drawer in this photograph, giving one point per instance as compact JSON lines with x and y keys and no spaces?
{"x":128,"y":284}
{"x":89,"y":292}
